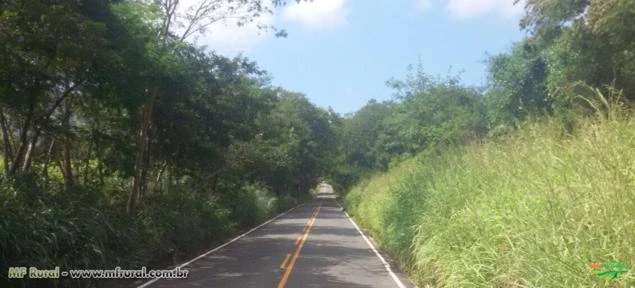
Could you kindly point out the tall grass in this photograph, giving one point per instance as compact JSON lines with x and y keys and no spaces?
{"x":530,"y":209}
{"x":89,"y":229}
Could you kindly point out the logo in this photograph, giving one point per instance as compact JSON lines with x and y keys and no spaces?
{"x":609,"y":270}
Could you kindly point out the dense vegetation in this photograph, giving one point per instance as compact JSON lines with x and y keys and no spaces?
{"x":123,"y":145}
{"x":529,"y":209}
{"x":522,"y":183}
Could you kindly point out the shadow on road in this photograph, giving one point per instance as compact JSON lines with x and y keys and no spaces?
{"x":334,"y":255}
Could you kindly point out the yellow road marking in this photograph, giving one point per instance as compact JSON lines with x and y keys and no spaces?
{"x":306,"y":227}
{"x":296,"y":254}
{"x":298,"y":240}
{"x":284,"y":263}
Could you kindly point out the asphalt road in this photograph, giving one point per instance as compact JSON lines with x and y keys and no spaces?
{"x":312,"y":245}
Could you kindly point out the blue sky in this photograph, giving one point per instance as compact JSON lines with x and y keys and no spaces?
{"x":340,"y":53}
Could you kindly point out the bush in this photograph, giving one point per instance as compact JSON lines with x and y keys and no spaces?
{"x":81,"y":230}
{"x":250,"y":204}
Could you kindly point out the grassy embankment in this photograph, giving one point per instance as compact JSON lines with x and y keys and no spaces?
{"x":529,"y":209}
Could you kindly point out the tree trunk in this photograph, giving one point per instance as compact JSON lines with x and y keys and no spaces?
{"x":68,"y":166}
{"x":20,"y":152}
{"x":87,"y":162}
{"x":8,"y":152}
{"x":143,"y":155}
{"x":24,"y":152}
{"x":28,"y":156}
{"x":100,"y":165}
{"x":159,"y":181}
{"x":49,"y":156}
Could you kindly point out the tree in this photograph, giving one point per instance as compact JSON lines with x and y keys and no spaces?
{"x":300,"y":136}
{"x":172,"y":28}
{"x":42,"y":70}
{"x":436,"y":112}
{"x":517,"y":84}
{"x":598,"y":50}
{"x":584,"y":40}
{"x":363,"y":135}
{"x":547,"y":18}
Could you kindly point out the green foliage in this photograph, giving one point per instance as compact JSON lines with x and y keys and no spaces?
{"x":437,"y":112}
{"x":520,"y":208}
{"x":208,"y":147}
{"x":547,"y":18}
{"x":251,"y":204}
{"x":585,"y":41}
{"x":427,"y":113}
{"x":84,"y":230}
{"x":533,"y":208}
{"x":517,"y":85}
{"x":221,"y":150}
{"x":363,"y":144}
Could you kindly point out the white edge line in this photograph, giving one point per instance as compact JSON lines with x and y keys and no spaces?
{"x":223,"y":245}
{"x":381,"y":258}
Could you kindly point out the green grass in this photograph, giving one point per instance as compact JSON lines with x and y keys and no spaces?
{"x":88,"y":229}
{"x":530,"y":209}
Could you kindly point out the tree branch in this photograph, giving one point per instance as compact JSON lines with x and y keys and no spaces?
{"x":65,"y":94}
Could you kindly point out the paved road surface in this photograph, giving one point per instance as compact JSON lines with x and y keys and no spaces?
{"x":312,"y":245}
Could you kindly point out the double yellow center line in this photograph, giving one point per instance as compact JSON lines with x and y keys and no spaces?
{"x":290,"y":260}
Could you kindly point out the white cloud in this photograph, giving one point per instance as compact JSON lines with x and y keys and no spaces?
{"x":424,"y":5}
{"x":318,"y":13}
{"x":229,"y":39}
{"x":226,"y":37}
{"x":464,"y":9}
